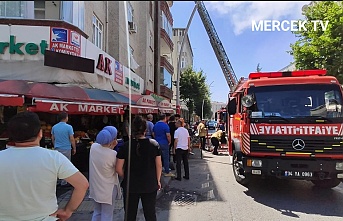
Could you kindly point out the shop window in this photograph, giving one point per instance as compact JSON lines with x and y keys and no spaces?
{"x":12,"y":9}
{"x":97,"y":32}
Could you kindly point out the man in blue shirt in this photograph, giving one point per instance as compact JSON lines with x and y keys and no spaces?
{"x":63,"y":137}
{"x":162,"y":136}
{"x":149,"y":126}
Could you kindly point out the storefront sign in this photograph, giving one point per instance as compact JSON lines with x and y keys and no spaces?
{"x":133,"y":83}
{"x":143,"y":110}
{"x":146,"y":111}
{"x":118,"y":73}
{"x":147,"y":100}
{"x":165,"y":104}
{"x":15,"y":47}
{"x":78,"y":108}
{"x":104,"y":64}
{"x":65,"y":41}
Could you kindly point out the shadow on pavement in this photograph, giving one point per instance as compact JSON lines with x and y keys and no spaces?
{"x":296,"y":196}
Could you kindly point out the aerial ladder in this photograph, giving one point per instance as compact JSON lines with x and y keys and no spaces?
{"x":217,"y":46}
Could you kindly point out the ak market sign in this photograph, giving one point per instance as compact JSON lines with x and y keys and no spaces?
{"x":77,"y":108}
{"x":20,"y":42}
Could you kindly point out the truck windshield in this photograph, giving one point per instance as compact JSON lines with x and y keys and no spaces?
{"x":294,"y":101}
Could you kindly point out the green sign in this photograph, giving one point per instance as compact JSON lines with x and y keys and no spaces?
{"x":18,"y":48}
{"x":133,"y":83}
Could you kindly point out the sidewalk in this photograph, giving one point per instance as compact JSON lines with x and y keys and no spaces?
{"x":85,"y":210}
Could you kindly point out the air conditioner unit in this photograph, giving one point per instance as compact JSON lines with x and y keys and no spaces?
{"x":132,"y":27}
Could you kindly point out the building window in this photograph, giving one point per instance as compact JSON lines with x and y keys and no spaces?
{"x":167,"y":26}
{"x":39,"y":9}
{"x":129,"y":12}
{"x":73,"y":12}
{"x":150,"y":73}
{"x":151,"y":10}
{"x":183,"y":62}
{"x":151,"y":41}
{"x":166,"y":78}
{"x":12,"y":9}
{"x":97,"y":32}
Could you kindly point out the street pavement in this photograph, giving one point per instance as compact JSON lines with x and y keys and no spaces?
{"x":85,"y":210}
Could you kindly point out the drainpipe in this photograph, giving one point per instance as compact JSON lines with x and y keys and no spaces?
{"x":107,"y":27}
{"x":157,"y":49}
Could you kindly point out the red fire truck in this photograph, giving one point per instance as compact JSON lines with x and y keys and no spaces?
{"x":288,"y":125}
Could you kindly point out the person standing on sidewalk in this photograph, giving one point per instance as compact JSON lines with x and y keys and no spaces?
{"x":62,"y":136}
{"x":142,"y":172}
{"x":28,"y":175}
{"x":202,"y":130}
{"x":181,"y":148}
{"x":149,"y":126}
{"x":162,"y":136}
{"x":104,"y":185}
{"x":172,"y":128}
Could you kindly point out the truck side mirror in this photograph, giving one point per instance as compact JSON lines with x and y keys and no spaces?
{"x":232,"y":106}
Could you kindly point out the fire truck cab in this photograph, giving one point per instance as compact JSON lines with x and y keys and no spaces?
{"x":288,"y":125}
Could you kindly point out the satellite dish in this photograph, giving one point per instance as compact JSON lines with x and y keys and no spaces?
{"x":248,"y":100}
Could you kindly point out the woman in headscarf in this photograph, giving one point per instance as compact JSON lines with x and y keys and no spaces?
{"x":104,"y":185}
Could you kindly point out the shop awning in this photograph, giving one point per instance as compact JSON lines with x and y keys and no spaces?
{"x":11,"y":100}
{"x":63,"y":93}
{"x":96,"y":94}
{"x":136,"y":109}
{"x":56,"y":106}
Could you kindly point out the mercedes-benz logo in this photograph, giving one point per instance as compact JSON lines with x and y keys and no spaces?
{"x":298,"y":144}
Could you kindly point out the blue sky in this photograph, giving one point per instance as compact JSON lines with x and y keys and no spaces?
{"x":244,"y":47}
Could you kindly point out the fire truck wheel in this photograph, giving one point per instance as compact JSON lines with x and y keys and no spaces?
{"x":327,"y":183}
{"x":238,"y":170}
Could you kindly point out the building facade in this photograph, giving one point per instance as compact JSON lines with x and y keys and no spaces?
{"x":185,"y":62}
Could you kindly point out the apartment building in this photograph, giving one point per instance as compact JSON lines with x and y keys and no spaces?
{"x":114,"y":45}
{"x":186,"y":61}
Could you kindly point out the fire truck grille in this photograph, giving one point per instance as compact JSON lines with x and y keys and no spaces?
{"x":305,"y":144}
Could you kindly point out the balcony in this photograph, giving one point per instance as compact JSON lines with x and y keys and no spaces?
{"x":165,"y":63}
{"x":167,"y":44}
{"x":166,"y":92}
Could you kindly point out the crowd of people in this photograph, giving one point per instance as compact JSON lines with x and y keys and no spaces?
{"x":30,"y":173}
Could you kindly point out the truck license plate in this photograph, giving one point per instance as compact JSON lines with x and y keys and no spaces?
{"x":298,"y":174}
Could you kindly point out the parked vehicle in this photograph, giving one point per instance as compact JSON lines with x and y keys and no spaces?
{"x":288,"y":125}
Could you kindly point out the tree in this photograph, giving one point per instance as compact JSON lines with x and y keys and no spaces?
{"x":193,"y":90}
{"x":258,"y":68}
{"x":319,"y":47}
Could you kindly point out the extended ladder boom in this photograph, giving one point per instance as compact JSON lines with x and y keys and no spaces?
{"x":217,"y":46}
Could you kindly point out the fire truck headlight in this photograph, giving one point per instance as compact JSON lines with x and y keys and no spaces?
{"x":256,"y":163}
{"x":339,"y":166}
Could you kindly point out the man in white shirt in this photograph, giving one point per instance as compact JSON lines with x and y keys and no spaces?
{"x":181,"y":148}
{"x":29,"y":174}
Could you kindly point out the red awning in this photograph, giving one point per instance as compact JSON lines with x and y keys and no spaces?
{"x":56,"y":106}
{"x":167,"y":111}
{"x":11,"y":100}
{"x":135,"y":109}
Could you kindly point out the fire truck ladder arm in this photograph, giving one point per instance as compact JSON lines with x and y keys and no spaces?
{"x":217,"y":46}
